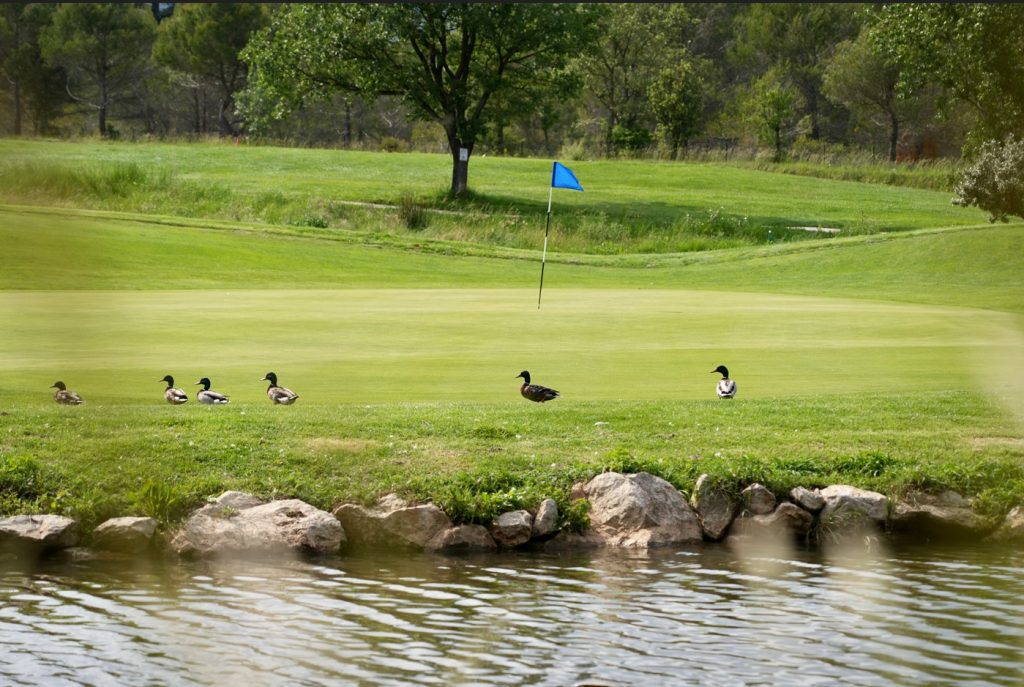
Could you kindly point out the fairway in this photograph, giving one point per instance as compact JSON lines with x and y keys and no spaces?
{"x":886,"y":360}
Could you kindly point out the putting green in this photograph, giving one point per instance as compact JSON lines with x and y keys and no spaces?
{"x":387,"y":345}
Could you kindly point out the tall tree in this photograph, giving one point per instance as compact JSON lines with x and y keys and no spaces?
{"x":772,"y":108}
{"x":204,"y":41}
{"x":974,"y":50}
{"x":447,"y":61}
{"x":865,"y":81}
{"x":104,"y":48}
{"x":637,"y":41}
{"x":677,"y":100}
{"x":797,"y":39}
{"x":34,"y":87}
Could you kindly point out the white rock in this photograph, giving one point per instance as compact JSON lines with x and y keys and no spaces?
{"x":546,"y":520}
{"x":715,"y":508}
{"x":287,"y":525}
{"x":393,"y":522}
{"x":239,"y":500}
{"x":639,"y":510}
{"x":811,"y":501}
{"x":43,"y":531}
{"x":1012,"y":528}
{"x":757,"y":499}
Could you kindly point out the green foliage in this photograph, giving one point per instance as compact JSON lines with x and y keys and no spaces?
{"x":413,"y":215}
{"x":160,"y":500}
{"x":772,"y":110}
{"x":677,"y":101}
{"x":995,"y":180}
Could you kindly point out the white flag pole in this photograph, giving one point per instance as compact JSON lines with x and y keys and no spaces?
{"x":544,"y":255}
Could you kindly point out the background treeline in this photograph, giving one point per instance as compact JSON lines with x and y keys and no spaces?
{"x":900,"y":81}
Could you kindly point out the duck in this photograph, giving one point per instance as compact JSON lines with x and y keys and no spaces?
{"x":174,"y":396}
{"x":279,"y":394}
{"x":726,"y":387}
{"x":209,"y":397}
{"x":535,"y":392}
{"x":65,"y":397}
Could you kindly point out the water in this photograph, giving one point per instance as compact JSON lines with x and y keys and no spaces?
{"x":693,"y":617}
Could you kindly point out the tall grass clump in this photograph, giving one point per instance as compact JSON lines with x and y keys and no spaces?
{"x":412,"y":214}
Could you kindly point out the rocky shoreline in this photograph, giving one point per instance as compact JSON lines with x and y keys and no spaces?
{"x":625,"y":510}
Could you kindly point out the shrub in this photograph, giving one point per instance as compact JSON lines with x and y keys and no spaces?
{"x":412,"y":214}
{"x":995,"y":181}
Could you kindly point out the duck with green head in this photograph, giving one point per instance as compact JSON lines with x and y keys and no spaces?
{"x":535,"y":392}
{"x":173,"y":396}
{"x":207,"y":397}
{"x":279,"y":395}
{"x":726,"y":387}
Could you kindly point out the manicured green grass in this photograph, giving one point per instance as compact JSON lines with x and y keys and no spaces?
{"x":628,"y":207}
{"x":888,"y":361}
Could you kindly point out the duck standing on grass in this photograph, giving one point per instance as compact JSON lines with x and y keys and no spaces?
{"x":726,"y":387}
{"x":208,"y":397}
{"x":279,"y":394}
{"x":65,"y":397}
{"x":174,"y":396}
{"x":535,"y":392}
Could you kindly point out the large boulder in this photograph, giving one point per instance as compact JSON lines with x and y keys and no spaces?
{"x":851,"y":512}
{"x":393,"y":523}
{"x":125,"y":534}
{"x":287,"y":525}
{"x":810,"y":501}
{"x":639,"y":510}
{"x":758,"y":499}
{"x":512,"y":529}
{"x":714,"y":506}
{"x":45,"y":532}
{"x":545,"y":522}
{"x":1012,"y":528}
{"x":937,"y":516}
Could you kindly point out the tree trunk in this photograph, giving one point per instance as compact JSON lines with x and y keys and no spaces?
{"x":894,"y":136}
{"x":197,"y":124}
{"x":226,"y":128}
{"x":103,"y":121}
{"x":17,"y":108}
{"x":460,"y":170}
{"x":778,"y":144}
{"x":347,"y":134}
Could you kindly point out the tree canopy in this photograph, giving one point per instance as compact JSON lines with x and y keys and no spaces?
{"x":448,"y":62}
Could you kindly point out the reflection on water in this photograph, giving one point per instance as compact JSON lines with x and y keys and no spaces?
{"x":610,"y":618}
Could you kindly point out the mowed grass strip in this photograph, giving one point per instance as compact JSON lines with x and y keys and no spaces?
{"x":629,"y":206}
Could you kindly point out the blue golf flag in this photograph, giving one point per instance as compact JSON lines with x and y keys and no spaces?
{"x":562,"y":177}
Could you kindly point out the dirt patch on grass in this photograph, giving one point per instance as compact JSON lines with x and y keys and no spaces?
{"x":998,"y":442}
{"x":341,"y":445}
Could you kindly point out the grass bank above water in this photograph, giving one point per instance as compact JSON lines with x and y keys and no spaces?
{"x":888,"y":361}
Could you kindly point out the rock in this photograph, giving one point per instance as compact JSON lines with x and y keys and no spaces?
{"x":463,"y":538}
{"x":238,"y":500}
{"x":715,"y":507}
{"x":39,"y":531}
{"x":545,"y":522}
{"x":788,"y":520}
{"x":757,"y":499}
{"x":287,"y":525}
{"x":639,"y":510}
{"x":850,"y":511}
{"x":578,"y":491}
{"x":944,"y":516}
{"x":512,"y":529}
{"x":1012,"y":528}
{"x":810,"y":501}
{"x":125,"y":534}
{"x":393,"y":522}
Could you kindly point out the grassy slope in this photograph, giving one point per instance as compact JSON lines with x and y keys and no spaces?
{"x":833,"y":387}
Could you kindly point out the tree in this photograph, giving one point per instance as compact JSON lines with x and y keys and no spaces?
{"x":447,"y":61}
{"x":33,"y":85}
{"x":975,"y":51}
{"x":864,"y":81}
{"x":104,"y":48}
{"x":796,"y":39}
{"x":995,"y":180}
{"x":772,"y":109}
{"x":204,"y":41}
{"x":677,"y":100}
{"x":637,"y":40}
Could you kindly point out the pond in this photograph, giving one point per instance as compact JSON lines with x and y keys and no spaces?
{"x":710,"y":616}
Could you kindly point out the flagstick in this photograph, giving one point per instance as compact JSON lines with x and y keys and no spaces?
{"x":544,"y":256}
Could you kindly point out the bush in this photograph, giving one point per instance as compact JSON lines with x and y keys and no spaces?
{"x":995,"y":181}
{"x":412,"y":214}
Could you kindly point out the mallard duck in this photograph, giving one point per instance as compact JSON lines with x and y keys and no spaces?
{"x":174,"y":396}
{"x":726,"y":387}
{"x":279,"y":394}
{"x":65,"y":397}
{"x":208,"y":397}
{"x":535,"y":392}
